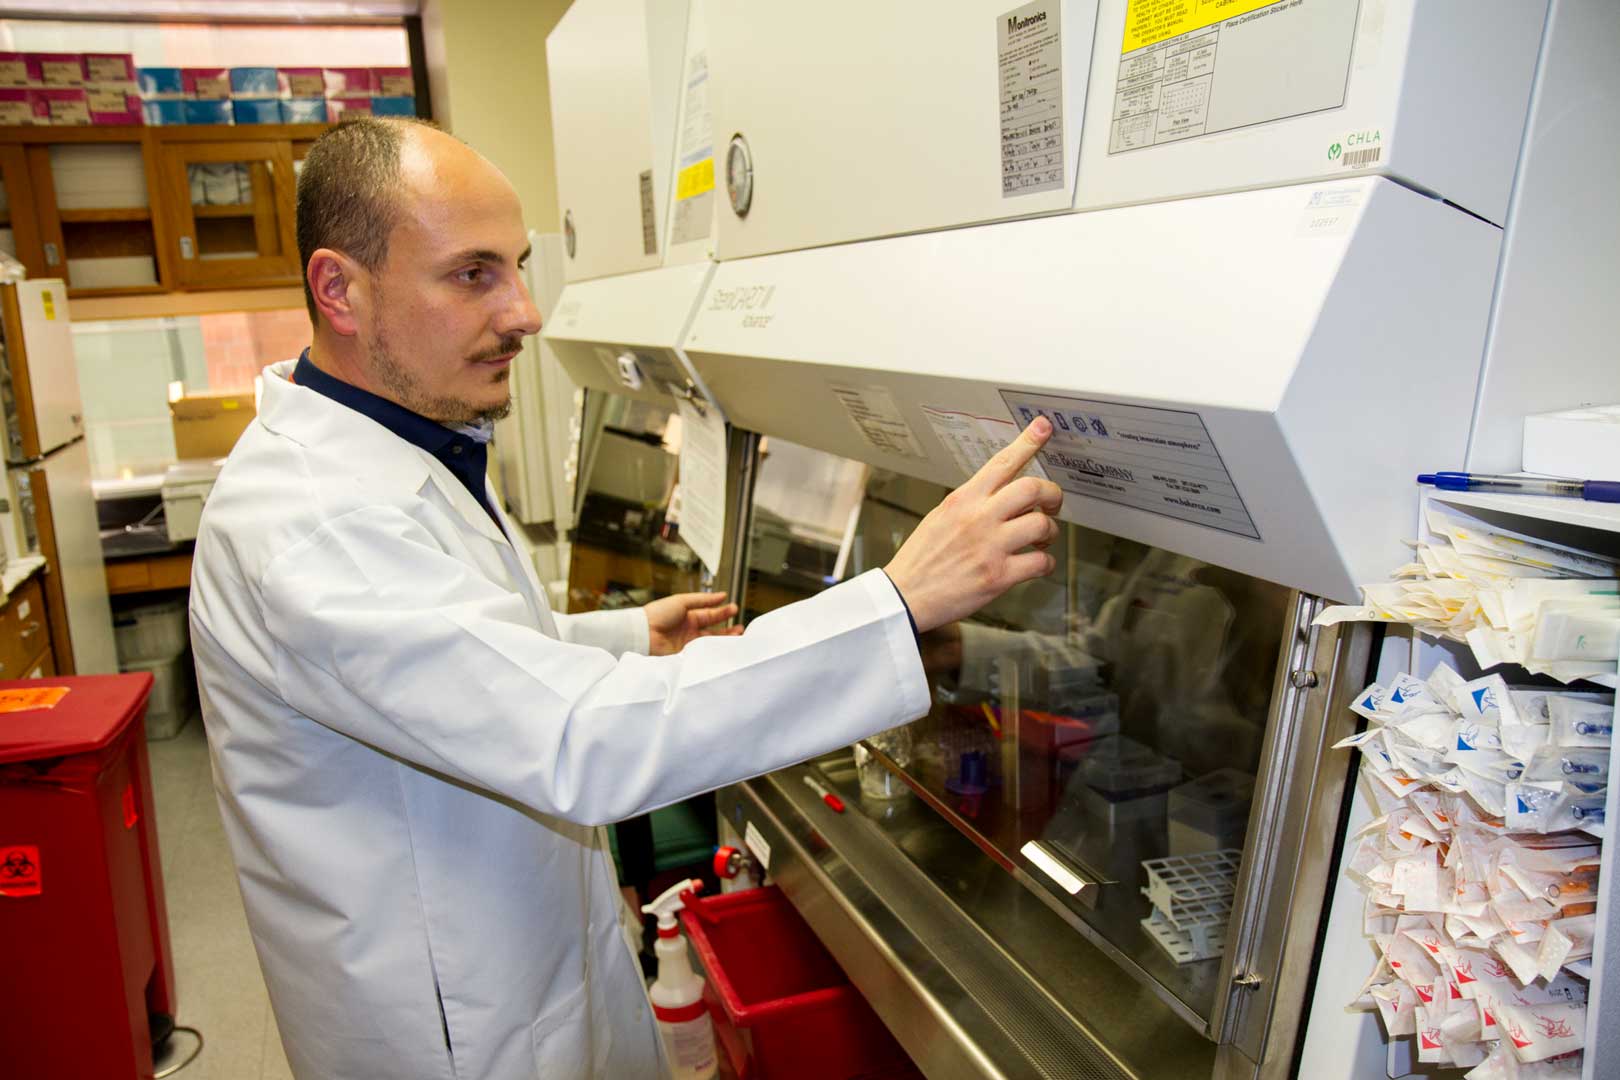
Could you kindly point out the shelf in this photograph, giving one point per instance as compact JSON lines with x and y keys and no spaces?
{"x":114,"y":290}
{"x":164,"y":304}
{"x":115,"y":213}
{"x":244,"y":210}
{"x":1587,"y":515}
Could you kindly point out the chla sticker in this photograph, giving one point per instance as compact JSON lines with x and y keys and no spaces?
{"x":19,"y":870}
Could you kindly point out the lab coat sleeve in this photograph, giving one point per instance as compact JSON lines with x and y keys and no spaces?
{"x":618,"y":632}
{"x":383,"y":636}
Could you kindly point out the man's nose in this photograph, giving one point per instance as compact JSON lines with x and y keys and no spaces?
{"x":519,"y":316}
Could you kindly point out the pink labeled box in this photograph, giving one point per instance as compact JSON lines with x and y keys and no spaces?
{"x":347,"y":108}
{"x":13,"y":69}
{"x":109,"y":69}
{"x":301,"y":82}
{"x":348,"y":82}
{"x":393,"y":82}
{"x":60,"y":106}
{"x":55,"y":69}
{"x":16,"y":108}
{"x":113,"y":105}
{"x":207,"y":84}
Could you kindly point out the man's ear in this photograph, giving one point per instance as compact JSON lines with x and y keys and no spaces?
{"x":333,"y":278}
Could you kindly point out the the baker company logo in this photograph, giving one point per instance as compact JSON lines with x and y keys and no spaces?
{"x":1015,"y":23}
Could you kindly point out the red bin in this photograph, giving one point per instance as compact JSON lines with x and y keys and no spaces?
{"x":782,"y":1007}
{"x":82,"y":915}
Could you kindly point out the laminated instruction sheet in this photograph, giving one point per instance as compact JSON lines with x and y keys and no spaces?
{"x":1162,"y":461}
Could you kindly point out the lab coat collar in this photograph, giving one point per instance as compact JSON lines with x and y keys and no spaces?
{"x":315,"y":420}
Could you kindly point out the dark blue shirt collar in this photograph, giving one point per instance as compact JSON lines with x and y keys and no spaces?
{"x":465,"y":457}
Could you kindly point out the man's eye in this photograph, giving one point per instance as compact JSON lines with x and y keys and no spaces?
{"x":471,"y":276}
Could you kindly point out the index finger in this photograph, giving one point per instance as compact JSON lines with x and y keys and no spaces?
{"x":1011,"y":459}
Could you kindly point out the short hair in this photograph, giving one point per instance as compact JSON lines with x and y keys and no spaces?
{"x":348,"y":192}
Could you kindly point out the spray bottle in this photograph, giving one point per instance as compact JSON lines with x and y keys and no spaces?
{"x":677,"y":993}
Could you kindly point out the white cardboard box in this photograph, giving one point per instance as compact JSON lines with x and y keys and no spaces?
{"x":1579,"y":443}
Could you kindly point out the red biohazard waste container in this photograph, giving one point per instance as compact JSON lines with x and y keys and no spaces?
{"x":82,"y":919}
{"x":782,"y":1007}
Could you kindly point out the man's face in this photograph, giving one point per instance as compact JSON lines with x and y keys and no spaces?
{"x":448,"y":307}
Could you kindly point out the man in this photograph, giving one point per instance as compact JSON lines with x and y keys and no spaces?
{"x":410,"y":749}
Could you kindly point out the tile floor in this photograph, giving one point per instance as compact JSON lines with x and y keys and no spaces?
{"x":218,"y":984}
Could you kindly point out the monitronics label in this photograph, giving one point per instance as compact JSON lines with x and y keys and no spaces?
{"x":1195,"y":67}
{"x":877,"y":418}
{"x":1159,"y":460}
{"x":694,"y":178}
{"x":1029,"y":60}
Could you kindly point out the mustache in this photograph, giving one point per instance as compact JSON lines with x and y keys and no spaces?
{"x":507,"y":346}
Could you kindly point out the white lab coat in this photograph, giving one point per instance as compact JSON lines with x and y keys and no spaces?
{"x":410,"y":751}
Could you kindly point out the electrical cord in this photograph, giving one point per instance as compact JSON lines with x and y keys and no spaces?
{"x":177,"y":1066}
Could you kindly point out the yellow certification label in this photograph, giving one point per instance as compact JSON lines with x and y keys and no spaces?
{"x":695,"y":179}
{"x":50,"y":304}
{"x":1148,"y":22}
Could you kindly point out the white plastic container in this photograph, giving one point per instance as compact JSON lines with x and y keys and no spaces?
{"x":151,"y":631}
{"x":185,"y":492}
{"x":677,"y":994}
{"x":174,"y":694}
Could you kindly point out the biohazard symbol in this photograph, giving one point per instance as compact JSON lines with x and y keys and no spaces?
{"x":19,"y":871}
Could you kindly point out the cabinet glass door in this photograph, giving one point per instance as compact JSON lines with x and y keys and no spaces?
{"x":1103,"y":725}
{"x":235,"y":205}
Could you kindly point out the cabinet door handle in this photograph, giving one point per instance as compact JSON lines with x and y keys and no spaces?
{"x":187,"y":250}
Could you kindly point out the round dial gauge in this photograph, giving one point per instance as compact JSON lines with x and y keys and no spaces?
{"x":740,"y":175}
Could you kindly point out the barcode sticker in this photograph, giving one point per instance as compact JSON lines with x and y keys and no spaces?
{"x":757,"y":844}
{"x":1356,"y":159}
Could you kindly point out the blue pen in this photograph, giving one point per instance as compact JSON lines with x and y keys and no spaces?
{"x":1590,"y":490}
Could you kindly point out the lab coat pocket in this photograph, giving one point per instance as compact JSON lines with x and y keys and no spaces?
{"x":562,"y":1040}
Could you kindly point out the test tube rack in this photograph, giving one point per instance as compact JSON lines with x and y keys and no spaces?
{"x":1192,"y":903}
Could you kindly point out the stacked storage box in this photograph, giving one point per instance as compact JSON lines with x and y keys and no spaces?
{"x":265,"y":95}
{"x":68,"y":89}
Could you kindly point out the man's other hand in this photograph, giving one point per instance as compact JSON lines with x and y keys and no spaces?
{"x":674,"y":621}
{"x":972,"y":547}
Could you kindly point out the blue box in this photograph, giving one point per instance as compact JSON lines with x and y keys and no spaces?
{"x":303,"y":111}
{"x":208,"y":112}
{"x":164,"y":112}
{"x":393,"y":106}
{"x":161,"y":84}
{"x":257,"y":111}
{"x":255,"y":82}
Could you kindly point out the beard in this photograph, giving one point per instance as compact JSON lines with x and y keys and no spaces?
{"x":406,"y":389}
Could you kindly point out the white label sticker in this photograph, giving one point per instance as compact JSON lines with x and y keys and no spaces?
{"x":1191,"y":69}
{"x":973,"y":440}
{"x":25,"y":608}
{"x":756,"y":843}
{"x":877,"y":417}
{"x":694,"y":175}
{"x":1029,"y":61}
{"x":703,"y":483}
{"x":1159,"y":460}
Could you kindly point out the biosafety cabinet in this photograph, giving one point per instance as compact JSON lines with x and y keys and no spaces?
{"x":635,"y":178}
{"x":1259,"y":264}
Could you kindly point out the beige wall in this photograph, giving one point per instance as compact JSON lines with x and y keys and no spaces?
{"x":487,"y":70}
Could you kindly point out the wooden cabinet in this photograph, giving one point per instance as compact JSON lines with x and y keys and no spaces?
{"x":25,"y":639}
{"x":124,"y":211}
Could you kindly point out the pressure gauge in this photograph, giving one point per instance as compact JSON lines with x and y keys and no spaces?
{"x":740,"y":175}
{"x":570,"y":240}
